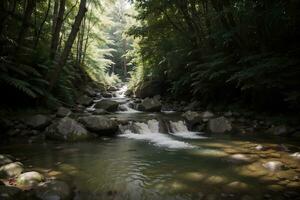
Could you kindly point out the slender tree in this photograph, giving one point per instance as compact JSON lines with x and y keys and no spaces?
{"x":61,"y":61}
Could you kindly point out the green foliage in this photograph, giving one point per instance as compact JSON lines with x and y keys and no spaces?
{"x":220,"y":51}
{"x":25,"y":61}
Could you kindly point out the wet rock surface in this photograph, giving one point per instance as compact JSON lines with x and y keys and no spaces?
{"x":29,"y":179}
{"x":150,"y":105}
{"x":11,"y":170}
{"x":67,"y":129}
{"x":275,"y":166}
{"x":108,"y":105}
{"x":99,"y":124}
{"x":37,"y":121}
{"x":219,"y":125}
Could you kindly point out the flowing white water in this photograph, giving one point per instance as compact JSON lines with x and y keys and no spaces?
{"x":150,"y":132}
{"x":121,"y":92}
{"x":179,"y":129}
{"x":126,"y":109}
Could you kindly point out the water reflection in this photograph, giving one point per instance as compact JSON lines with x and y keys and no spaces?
{"x":122,"y":168}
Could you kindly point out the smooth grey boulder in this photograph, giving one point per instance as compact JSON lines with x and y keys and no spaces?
{"x":63,"y":112}
{"x":219,"y":125}
{"x":85,"y":100}
{"x":150,"y":105}
{"x":53,"y":190}
{"x":11,"y":170}
{"x":29,"y":180}
{"x":67,"y":129}
{"x":108,"y":105}
{"x":99,"y":124}
{"x":37,"y":121}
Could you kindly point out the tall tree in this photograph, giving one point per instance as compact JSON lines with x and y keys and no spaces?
{"x":61,"y":61}
{"x":30,"y":5}
{"x":57,"y":25}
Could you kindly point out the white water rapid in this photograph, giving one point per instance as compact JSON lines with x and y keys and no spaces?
{"x":150,"y":132}
{"x":179,"y":129}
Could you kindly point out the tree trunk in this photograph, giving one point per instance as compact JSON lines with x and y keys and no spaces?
{"x":68,"y":46}
{"x":38,"y":35}
{"x":24,"y":27}
{"x":58,"y":22}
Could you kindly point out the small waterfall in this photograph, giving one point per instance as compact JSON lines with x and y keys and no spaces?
{"x":179,"y":129}
{"x":150,"y":132}
{"x":125,"y":108}
{"x":153,"y":125}
{"x":121,"y":92}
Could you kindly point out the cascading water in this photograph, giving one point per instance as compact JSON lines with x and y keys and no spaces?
{"x":126,"y":108}
{"x":121,"y":92}
{"x":179,"y":129}
{"x":150,"y":132}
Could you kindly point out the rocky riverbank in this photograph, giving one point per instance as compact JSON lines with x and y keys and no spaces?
{"x":96,"y":115}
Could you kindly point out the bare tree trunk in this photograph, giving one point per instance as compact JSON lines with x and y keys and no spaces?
{"x":54,"y":18}
{"x":38,"y":35}
{"x":24,"y":27}
{"x":68,"y":46}
{"x":58,"y":22}
{"x":80,"y":42}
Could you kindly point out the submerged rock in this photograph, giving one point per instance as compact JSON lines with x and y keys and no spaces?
{"x":150,"y":105}
{"x":261,"y":148}
{"x":274,"y":165}
{"x":108,"y":105}
{"x":219,"y":125}
{"x":37,"y":121}
{"x":99,"y":124}
{"x":29,"y":179}
{"x":236,"y":187}
{"x":239,"y":159}
{"x":296,"y":155}
{"x":11,"y":170}
{"x":67,"y":129}
{"x":53,"y":190}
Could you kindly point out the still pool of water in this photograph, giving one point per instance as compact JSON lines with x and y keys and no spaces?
{"x":124,"y":168}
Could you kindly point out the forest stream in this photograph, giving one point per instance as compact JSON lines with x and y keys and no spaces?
{"x":155,"y":156}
